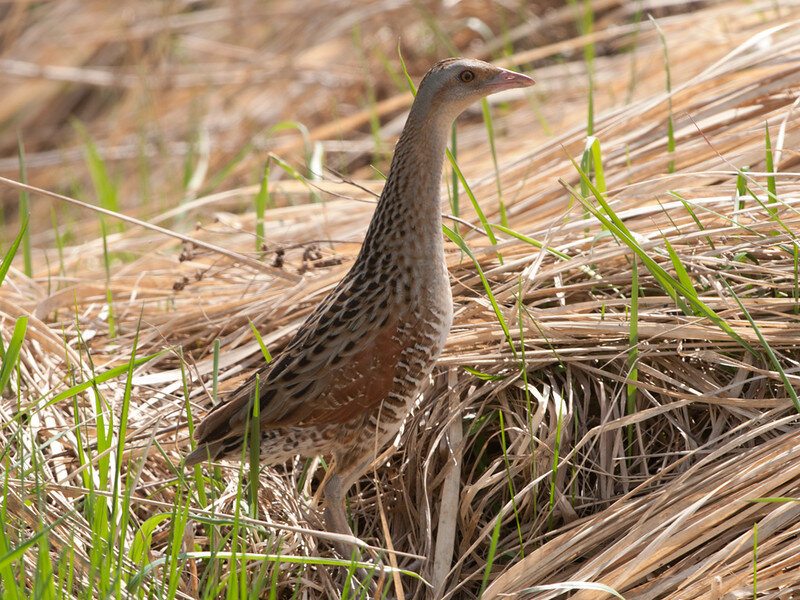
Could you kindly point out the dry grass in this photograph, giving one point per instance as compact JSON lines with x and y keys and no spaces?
{"x":656,"y":503}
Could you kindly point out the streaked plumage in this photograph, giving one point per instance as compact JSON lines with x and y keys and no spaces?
{"x":349,"y":378}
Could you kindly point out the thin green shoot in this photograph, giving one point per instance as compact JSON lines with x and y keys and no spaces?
{"x":486,"y":227}
{"x":104,"y":186}
{"x":409,"y":81}
{"x":273,"y":584}
{"x":440,"y":34}
{"x":12,"y":351}
{"x":107,"y":262}
{"x":391,"y":71}
{"x":200,"y":481}
{"x":59,"y":246}
{"x":175,"y":561}
{"x":490,"y":555}
{"x":454,"y":200}
{"x":371,"y":97}
{"x":264,"y":350}
{"x":592,"y":165}
{"x":7,"y":577}
{"x":315,"y":197}
{"x":796,"y":287}
{"x":97,"y":379}
{"x":741,"y":191}
{"x":670,"y":119}
{"x":483,"y":376}
{"x":692,"y":214}
{"x":770,"y":164}
{"x":307,"y":146}
{"x":527,"y":391}
{"x":505,"y":33}
{"x":120,"y":513}
{"x":637,"y":20}
{"x":226,"y":169}
{"x":772,"y":212}
{"x":215,"y":371}
{"x":510,"y":480}
{"x":775,"y":499}
{"x":487,"y":120}
{"x":683,"y":274}
{"x":593,"y":144}
{"x":12,"y":251}
{"x":255,"y":447}
{"x":43,"y":583}
{"x":669,"y":218}
{"x":755,"y":561}
{"x":459,"y":241}
{"x":633,"y":349}
{"x":533,"y":242}
{"x":24,"y":210}
{"x":261,"y":201}
{"x":584,"y":20}
{"x":554,"y":472}
{"x":545,"y":338}
{"x":770,"y":354}
{"x":16,"y":553}
{"x":191,"y":151}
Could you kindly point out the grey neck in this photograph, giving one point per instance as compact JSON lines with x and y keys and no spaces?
{"x":409,"y":210}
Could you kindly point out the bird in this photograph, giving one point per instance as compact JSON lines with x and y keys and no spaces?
{"x":353,"y":371}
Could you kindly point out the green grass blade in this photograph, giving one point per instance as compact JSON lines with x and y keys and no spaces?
{"x":695,"y":218}
{"x":264,"y":350}
{"x":295,"y":174}
{"x":16,"y":553}
{"x":410,"y":82}
{"x":226,"y":169}
{"x":486,"y":227}
{"x":8,"y":579}
{"x":9,"y":257}
{"x":490,"y":556}
{"x":104,"y":186}
{"x":261,"y":200}
{"x":454,"y":201}
{"x":511,"y":490}
{"x":103,"y":377}
{"x":670,"y":119}
{"x":772,"y":358}
{"x":680,"y":270}
{"x":12,"y":351}
{"x":487,"y":120}
{"x":674,"y":288}
{"x":459,"y":241}
{"x":770,"y":164}
{"x":24,"y":210}
{"x":755,"y":561}
{"x":533,"y":242}
{"x":741,"y":189}
{"x":255,"y":447}
{"x":633,"y":348}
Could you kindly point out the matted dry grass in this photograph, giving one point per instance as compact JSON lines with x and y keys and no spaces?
{"x":669,"y":515}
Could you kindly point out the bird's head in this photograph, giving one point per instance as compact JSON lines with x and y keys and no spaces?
{"x":455,"y":83}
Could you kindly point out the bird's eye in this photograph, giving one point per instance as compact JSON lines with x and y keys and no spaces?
{"x":466,"y":76}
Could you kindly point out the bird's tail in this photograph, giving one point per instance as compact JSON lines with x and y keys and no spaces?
{"x":204,"y":452}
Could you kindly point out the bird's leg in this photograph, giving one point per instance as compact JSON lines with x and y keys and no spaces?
{"x":336,"y":522}
{"x":335,"y":516}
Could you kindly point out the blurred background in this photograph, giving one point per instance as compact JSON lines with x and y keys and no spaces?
{"x":146,"y":105}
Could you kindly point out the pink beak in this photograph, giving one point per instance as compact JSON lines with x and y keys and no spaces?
{"x":506,"y":80}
